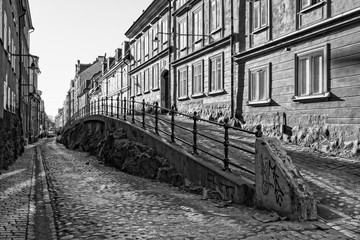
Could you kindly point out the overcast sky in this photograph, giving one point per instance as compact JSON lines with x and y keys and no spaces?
{"x":71,"y":30}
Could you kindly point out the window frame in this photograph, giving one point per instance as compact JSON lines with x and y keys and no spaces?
{"x":198,"y":27}
{"x":201,"y":73}
{"x":139,"y":80}
{"x":262,"y":26}
{"x":155,"y":77}
{"x":267,"y":88}
{"x":211,"y":59}
{"x":146,"y":81}
{"x":183,"y":70}
{"x":218,"y":15}
{"x":164,"y":29}
{"x":310,"y":53}
{"x":183,"y":36}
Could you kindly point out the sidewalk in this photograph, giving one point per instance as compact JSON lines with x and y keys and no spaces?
{"x":15,"y":202}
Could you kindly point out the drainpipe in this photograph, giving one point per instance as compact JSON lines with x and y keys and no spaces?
{"x":169,"y":63}
{"x":232,"y":62}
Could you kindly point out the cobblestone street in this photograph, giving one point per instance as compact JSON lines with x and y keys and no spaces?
{"x":86,"y":200}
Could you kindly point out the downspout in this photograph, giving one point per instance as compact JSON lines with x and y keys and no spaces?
{"x":232,"y":62}
{"x":169,"y":52}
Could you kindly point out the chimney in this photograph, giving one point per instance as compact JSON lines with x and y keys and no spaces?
{"x":103,"y":67}
{"x":118,"y":54}
{"x":125,"y":46}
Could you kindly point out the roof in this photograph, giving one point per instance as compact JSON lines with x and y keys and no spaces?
{"x":155,"y":8}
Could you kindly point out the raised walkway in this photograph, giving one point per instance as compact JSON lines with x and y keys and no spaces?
{"x":335,"y":181}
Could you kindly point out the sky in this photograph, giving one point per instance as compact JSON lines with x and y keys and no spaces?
{"x":71,"y":30}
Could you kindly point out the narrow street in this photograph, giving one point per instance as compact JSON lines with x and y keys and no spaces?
{"x":54,"y":193}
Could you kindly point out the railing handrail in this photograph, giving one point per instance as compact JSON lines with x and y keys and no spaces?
{"x":127,"y":107}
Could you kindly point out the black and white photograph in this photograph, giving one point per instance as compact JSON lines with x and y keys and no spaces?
{"x":179,"y":119}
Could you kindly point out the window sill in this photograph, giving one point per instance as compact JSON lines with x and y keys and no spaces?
{"x":215,"y":31}
{"x":183,"y":49}
{"x":218,"y":92}
{"x":265,"y":102}
{"x":155,"y":49}
{"x":258,"y":30}
{"x":198,"y":95}
{"x":139,"y":94}
{"x":147,"y":91}
{"x":198,"y":41}
{"x":311,"y":7}
{"x":308,"y":98}
{"x":183,"y":98}
{"x":164,"y":43}
{"x":155,"y":89}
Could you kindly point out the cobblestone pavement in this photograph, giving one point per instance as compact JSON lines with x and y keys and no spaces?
{"x":87,"y":200}
{"x":335,"y":181}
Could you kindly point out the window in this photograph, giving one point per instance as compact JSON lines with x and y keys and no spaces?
{"x":182,"y":83}
{"x":308,"y":3}
{"x":216,"y":74}
{"x":139,"y":84}
{"x":182,"y":34}
{"x":155,"y":76}
{"x":197,"y":85}
{"x":5,"y":31}
{"x":215,"y":15}
{"x":146,"y":81}
{"x":1,"y":22}
{"x":198,"y":24}
{"x":5,"y":91}
{"x":259,"y":12}
{"x":311,"y":77}
{"x":133,"y":86}
{"x":181,"y":2}
{"x":138,"y":50}
{"x":164,"y":29}
{"x":259,"y":82}
{"x":146,"y":44}
{"x":155,"y":31}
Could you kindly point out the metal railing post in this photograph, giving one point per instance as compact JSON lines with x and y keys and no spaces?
{"x":143,"y":113}
{"x":172,"y":112}
{"x":133,"y":110}
{"x":125,"y":109}
{"x":258,"y":132}
{"x":106,"y":106}
{"x":226,"y":145}
{"x":195,"y":133}
{"x":117,"y":106}
{"x":112,"y":106}
{"x":156,"y":118}
{"x":98,"y":108}
{"x":102,"y":108}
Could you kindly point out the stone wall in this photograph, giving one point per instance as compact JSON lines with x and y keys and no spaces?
{"x":11,"y":141}
{"x":309,"y":130}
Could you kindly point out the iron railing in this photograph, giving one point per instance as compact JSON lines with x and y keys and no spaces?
{"x":151,"y":115}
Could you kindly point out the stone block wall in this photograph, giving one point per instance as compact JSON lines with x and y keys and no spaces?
{"x":308,"y":130}
{"x":11,"y":142}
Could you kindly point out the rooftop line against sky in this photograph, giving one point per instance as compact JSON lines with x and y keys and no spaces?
{"x":68,"y":30}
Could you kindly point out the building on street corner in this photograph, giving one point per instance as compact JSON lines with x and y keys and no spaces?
{"x":19,"y":96}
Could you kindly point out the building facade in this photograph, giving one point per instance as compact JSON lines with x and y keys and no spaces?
{"x":15,"y":60}
{"x":150,"y":55}
{"x":298,"y":71}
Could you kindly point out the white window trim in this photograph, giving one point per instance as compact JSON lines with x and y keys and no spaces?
{"x":198,"y":38}
{"x":183,"y":35}
{"x":308,"y":52}
{"x":261,"y":28}
{"x":186,"y":95}
{"x":201,"y":93}
{"x":262,"y":102}
{"x":211,"y":91}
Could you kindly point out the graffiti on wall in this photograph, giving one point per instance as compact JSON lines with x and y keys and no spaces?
{"x":217,"y":185}
{"x":269,"y":183}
